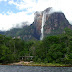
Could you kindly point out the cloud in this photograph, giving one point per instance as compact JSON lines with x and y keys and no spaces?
{"x":12,"y":19}
{"x":25,"y":4}
{"x":64,"y":6}
{"x":40,"y":5}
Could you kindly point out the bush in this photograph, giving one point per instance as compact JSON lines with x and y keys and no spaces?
{"x":39,"y":60}
{"x":45,"y":60}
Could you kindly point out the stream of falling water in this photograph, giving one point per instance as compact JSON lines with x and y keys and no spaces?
{"x":43,"y":22}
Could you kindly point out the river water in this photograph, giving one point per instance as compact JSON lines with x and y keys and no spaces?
{"x":6,"y":68}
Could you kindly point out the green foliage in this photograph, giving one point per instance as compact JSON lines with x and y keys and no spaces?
{"x":39,"y":60}
{"x":12,"y":49}
{"x":55,"y":49}
{"x":25,"y":33}
{"x":52,"y":49}
{"x":45,"y":60}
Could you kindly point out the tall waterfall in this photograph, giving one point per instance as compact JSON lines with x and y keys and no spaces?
{"x":43,"y":22}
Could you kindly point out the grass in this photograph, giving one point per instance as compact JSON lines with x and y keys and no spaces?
{"x":45,"y":64}
{"x":40,"y":64}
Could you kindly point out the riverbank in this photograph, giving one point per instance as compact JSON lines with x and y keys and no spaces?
{"x":40,"y":64}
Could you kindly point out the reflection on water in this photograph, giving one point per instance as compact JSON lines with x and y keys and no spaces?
{"x":6,"y":68}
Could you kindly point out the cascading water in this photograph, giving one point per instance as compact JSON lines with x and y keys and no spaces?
{"x":43,"y":22}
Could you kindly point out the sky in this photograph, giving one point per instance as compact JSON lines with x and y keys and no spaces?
{"x":15,"y":12}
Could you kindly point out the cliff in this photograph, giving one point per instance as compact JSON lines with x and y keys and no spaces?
{"x":45,"y":24}
{"x":53,"y":23}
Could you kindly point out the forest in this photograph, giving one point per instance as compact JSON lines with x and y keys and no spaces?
{"x":52,"y":49}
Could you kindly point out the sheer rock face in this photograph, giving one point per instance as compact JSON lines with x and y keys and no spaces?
{"x":55,"y":22}
{"x":38,"y":22}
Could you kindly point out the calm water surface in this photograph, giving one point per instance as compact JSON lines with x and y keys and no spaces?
{"x":6,"y":68}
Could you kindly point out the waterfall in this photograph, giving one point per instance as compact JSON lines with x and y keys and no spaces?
{"x":43,"y":22}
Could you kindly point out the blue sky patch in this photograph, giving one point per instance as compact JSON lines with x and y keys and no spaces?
{"x":5,"y":7}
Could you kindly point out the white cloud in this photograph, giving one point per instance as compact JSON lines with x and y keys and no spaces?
{"x":7,"y":21}
{"x":32,"y":6}
{"x":59,"y":5}
{"x":11,"y":20}
{"x":24,"y":4}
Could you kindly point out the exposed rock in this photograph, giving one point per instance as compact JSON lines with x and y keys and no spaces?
{"x":54,"y":24}
{"x":38,"y":22}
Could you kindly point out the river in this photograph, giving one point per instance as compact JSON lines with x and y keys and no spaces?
{"x":9,"y":68}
